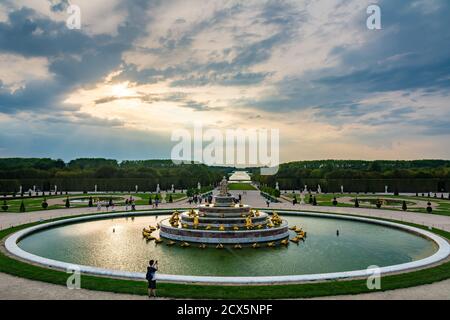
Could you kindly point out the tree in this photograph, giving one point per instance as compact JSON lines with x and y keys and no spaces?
{"x":44,"y":204}
{"x":22,"y":207}
{"x":5,"y":206}
{"x":356,"y":203}
{"x":67,"y":202}
{"x":404,"y":206}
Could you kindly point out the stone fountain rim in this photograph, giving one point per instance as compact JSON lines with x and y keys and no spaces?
{"x":441,"y":254}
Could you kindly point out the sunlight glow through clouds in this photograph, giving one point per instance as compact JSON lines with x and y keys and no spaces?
{"x":309,"y":68}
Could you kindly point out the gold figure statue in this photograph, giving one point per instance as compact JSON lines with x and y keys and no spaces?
{"x":248,"y":223}
{"x":196,"y":222}
{"x":275,"y":219}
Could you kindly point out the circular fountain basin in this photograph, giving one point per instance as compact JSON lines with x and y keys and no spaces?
{"x":112,"y":245}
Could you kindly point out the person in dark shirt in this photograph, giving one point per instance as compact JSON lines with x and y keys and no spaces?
{"x":151,"y":277}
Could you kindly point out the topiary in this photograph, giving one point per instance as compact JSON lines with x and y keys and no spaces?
{"x":150,"y":202}
{"x":22,"y":207}
{"x":356,"y":203}
{"x":378,"y":203}
{"x":44,"y":204}
{"x":314,"y":201}
{"x":5,"y":206}
{"x":404,"y":206}
{"x":170,"y":198}
{"x":335,"y":202}
{"x":91,"y":202}
{"x":429,"y":208}
{"x":67,"y":202}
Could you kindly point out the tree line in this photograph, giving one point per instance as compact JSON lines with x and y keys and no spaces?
{"x":112,"y":175}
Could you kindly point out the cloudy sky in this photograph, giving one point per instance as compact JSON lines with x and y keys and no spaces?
{"x":136,"y":70}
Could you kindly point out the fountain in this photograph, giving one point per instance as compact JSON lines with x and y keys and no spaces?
{"x":224,"y":222}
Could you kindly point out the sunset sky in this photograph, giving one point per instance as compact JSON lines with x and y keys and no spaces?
{"x":136,"y":70}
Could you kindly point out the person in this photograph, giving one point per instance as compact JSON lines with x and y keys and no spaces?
{"x":151,"y":277}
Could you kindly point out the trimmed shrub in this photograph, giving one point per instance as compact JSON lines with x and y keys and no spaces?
{"x":44,"y":204}
{"x":379,"y":203}
{"x":5,"y":206}
{"x":404,"y":206}
{"x":356,"y":203}
{"x":335,"y":202}
{"x":67,"y":202}
{"x":22,"y":207}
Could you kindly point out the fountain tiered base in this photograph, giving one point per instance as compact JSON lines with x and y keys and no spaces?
{"x":224,"y":222}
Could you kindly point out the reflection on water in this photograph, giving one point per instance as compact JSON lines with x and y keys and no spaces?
{"x":118,"y":244}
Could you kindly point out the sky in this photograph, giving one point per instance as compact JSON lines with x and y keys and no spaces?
{"x":137,"y":70}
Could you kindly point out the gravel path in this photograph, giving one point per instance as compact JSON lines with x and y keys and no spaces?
{"x":18,"y":288}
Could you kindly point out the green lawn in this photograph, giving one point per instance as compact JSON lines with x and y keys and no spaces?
{"x":327,"y":200}
{"x":415,"y":278}
{"x":35,"y":204}
{"x":241,"y":186}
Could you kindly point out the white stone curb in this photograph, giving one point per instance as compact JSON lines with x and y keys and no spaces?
{"x":12,"y":247}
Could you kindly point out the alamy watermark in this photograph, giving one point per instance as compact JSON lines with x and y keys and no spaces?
{"x":230,"y":147}
{"x":73,"y":22}
{"x":374,"y":20}
{"x":374,"y":278}
{"x":74,"y":280}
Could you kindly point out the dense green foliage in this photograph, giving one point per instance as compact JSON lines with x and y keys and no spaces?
{"x":108,"y":175}
{"x":362,"y":176}
{"x":111,"y":175}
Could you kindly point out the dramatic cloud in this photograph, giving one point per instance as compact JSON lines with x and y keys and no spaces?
{"x":138,"y":69}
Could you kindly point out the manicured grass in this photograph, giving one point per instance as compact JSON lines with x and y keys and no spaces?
{"x":307,"y":290}
{"x":240,"y":186}
{"x":443,"y":207}
{"x":35,"y":204}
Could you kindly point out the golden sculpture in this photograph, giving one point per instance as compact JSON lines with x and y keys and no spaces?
{"x":174,"y":219}
{"x":196,"y":222}
{"x":276,"y":220}
{"x":248,"y":223}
